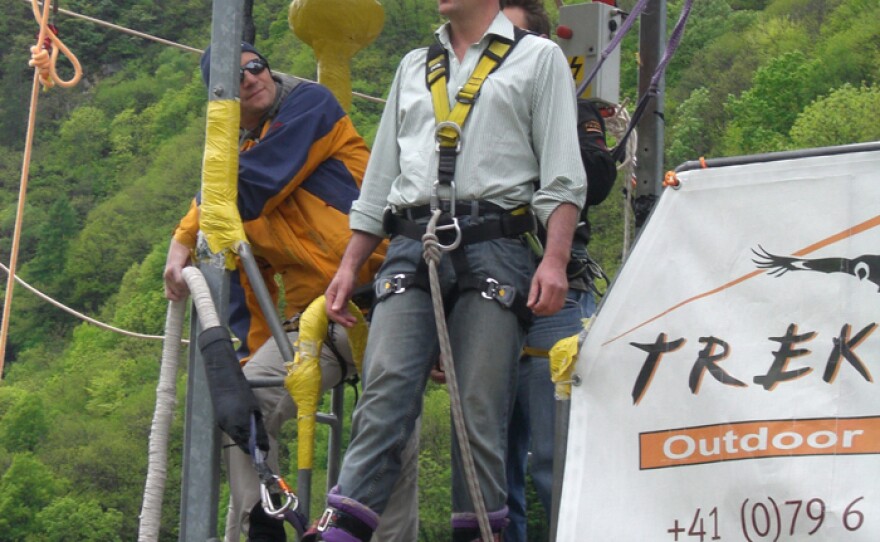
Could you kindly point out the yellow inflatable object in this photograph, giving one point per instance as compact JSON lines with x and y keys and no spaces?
{"x":219,"y":219}
{"x":303,"y":380}
{"x":336,"y":30}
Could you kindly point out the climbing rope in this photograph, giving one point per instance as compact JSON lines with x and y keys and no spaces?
{"x":44,"y":74}
{"x":83,"y":317}
{"x":432,"y":253}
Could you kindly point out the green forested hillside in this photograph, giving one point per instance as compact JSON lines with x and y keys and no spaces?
{"x":117,"y":158}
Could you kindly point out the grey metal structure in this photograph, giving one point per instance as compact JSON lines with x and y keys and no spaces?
{"x":201,"y":451}
{"x":649,"y":156}
{"x":200,"y":481}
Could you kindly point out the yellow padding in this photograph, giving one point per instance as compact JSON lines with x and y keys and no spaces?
{"x":563,"y":357}
{"x":219,"y":218}
{"x":303,"y":380}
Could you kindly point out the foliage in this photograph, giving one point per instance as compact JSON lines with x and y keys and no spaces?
{"x":761,"y":118}
{"x":25,"y":424}
{"x":71,"y":519}
{"x":26,"y":487}
{"x":848,"y":114}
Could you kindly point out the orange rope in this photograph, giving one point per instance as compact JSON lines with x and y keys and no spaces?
{"x":44,"y":73}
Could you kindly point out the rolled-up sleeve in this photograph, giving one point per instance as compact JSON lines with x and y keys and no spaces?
{"x":554,"y":137}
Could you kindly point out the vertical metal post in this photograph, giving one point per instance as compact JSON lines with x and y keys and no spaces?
{"x":334,"y":444}
{"x":560,"y":445}
{"x":200,"y":491}
{"x":201,"y":457}
{"x":649,"y":165}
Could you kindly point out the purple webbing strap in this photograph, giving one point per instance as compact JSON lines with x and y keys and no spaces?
{"x":653,"y":88}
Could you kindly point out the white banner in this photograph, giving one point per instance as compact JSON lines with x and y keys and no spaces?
{"x":728,"y":385}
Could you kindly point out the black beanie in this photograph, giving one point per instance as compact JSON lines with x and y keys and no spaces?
{"x":205,"y":63}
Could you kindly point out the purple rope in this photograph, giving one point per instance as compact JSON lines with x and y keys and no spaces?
{"x":674,"y":41}
{"x":653,"y":88}
{"x":624,"y":28}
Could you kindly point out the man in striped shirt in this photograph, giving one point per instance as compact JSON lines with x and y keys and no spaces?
{"x":518,"y":157}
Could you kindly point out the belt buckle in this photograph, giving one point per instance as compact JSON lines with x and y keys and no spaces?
{"x":326,"y":519}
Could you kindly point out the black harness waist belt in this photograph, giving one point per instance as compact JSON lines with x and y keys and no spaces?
{"x":471,"y":208}
{"x":494,"y":225}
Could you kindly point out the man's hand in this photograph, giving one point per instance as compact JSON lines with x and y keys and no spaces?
{"x":338,"y":294}
{"x":359,"y":248}
{"x":550,"y":283}
{"x":178,"y":258}
{"x":548,"y":289}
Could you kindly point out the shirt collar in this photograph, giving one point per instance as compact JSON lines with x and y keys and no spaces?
{"x":500,"y":26}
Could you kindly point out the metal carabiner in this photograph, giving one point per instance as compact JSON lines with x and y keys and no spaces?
{"x":454,"y":226}
{"x":435,"y":197}
{"x":291,"y":502}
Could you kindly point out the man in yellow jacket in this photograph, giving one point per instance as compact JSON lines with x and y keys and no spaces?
{"x":301,"y":163}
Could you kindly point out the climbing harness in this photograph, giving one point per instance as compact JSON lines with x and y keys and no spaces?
{"x":448,"y":134}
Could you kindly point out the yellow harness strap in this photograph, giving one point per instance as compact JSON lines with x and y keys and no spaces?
{"x":447,"y":136}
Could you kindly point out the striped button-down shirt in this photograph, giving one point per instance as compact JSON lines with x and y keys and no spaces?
{"x":520,"y":135}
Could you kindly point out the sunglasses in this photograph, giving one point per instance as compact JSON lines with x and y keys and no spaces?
{"x":254,"y":67}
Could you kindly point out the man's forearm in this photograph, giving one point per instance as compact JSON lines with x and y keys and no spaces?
{"x":560,"y":230}
{"x":359,"y":248}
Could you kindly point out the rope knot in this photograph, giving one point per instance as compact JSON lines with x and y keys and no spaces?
{"x":431,"y":251}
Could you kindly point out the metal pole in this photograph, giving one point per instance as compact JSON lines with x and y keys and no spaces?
{"x":201,"y":458}
{"x":563,"y":414}
{"x":200,"y":481}
{"x":264,"y":299}
{"x":649,"y":165}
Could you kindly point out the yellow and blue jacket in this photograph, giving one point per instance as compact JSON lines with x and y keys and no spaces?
{"x":297,"y":178}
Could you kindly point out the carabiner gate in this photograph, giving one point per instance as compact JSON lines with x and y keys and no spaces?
{"x":291,"y":502}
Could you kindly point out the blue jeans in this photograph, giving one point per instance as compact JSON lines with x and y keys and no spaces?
{"x":532,"y":424}
{"x":486,"y":341}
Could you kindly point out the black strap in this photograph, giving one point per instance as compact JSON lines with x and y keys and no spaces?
{"x":505,"y":225}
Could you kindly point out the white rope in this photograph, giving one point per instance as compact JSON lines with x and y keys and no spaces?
{"x":160,"y":430}
{"x":432,"y":255}
{"x":82,"y":316}
{"x":166,"y":399}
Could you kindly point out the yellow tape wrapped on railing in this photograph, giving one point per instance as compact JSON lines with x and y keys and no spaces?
{"x":219,"y":218}
{"x":303,"y":380}
{"x":563,"y":357}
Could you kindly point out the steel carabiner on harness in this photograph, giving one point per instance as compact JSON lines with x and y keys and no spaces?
{"x":435,"y":206}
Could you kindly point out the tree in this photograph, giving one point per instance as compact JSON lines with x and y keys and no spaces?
{"x":71,"y":519}
{"x":26,"y":487}
{"x":847,"y":115}
{"x":25,"y":425}
{"x":761,"y":118}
